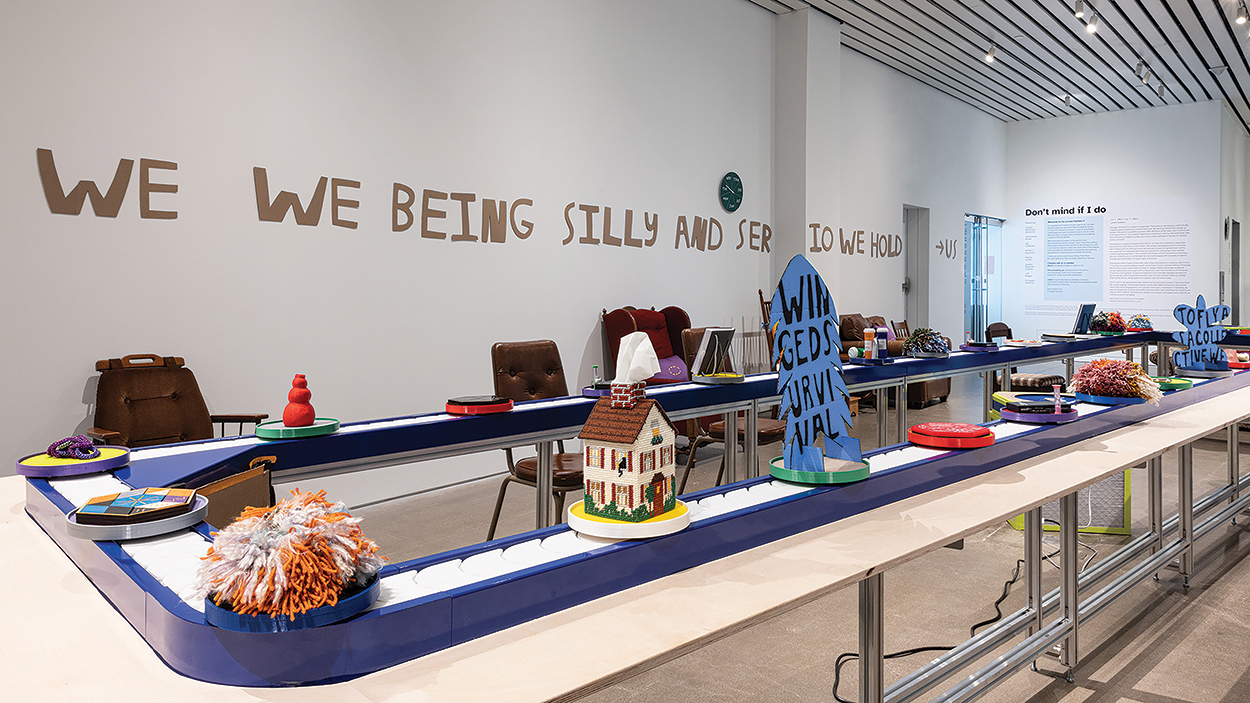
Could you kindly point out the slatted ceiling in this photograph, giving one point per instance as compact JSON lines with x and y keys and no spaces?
{"x":870,"y":46}
{"x":1043,"y":53}
{"x":949,"y":56}
{"x":889,"y":59}
{"x":949,"y":64}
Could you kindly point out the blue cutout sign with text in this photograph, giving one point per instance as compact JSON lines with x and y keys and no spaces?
{"x":1201,"y":335}
{"x":812,"y":390}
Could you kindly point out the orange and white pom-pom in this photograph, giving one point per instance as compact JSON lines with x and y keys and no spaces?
{"x":288,"y":559}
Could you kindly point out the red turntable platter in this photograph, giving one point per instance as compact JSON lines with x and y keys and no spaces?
{"x":950,"y":435}
{"x":478,"y":405}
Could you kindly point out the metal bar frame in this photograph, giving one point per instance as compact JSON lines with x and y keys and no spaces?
{"x":542,"y":501}
{"x":871,"y":634}
{"x":1232,"y":499}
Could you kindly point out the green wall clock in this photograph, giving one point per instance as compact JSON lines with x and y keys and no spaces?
{"x":730,"y":192}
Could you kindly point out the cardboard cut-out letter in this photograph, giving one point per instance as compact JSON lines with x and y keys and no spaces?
{"x":813,"y":393}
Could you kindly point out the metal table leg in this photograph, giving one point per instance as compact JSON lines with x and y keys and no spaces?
{"x":751,"y":441}
{"x":1145,"y":358}
{"x":1069,"y":598}
{"x":987,"y":381}
{"x":542,"y":509}
{"x":1033,"y":564}
{"x":900,"y":410}
{"x":1234,"y":462}
{"x":1068,"y":363}
{"x":731,"y":446}
{"x":871,"y":632}
{"x":1154,"y":470}
{"x":883,"y":410}
{"x":1185,"y":498}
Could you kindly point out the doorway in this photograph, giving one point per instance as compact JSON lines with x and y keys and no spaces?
{"x":1235,"y":263}
{"x":983,"y":283}
{"x":916,"y":266}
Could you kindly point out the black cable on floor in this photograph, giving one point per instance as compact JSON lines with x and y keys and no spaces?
{"x":845,"y":657}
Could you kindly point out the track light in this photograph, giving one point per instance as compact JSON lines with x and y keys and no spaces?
{"x":1141,"y":66}
{"x":1092,"y":25}
{"x":1067,"y":101}
{"x":1241,"y":13}
{"x":1146,"y":78}
{"x":1078,"y":10}
{"x":989,"y":55}
{"x":1161,"y":92}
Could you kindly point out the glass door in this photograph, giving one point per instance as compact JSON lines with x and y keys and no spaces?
{"x":983,"y":285}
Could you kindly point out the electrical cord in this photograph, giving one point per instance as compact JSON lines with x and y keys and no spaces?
{"x":845,"y":657}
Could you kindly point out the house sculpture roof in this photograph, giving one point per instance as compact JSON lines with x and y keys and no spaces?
{"x":618,"y":425}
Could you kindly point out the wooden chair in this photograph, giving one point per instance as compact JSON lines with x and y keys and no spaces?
{"x":144,"y":400}
{"x":533,"y":371}
{"x":901,"y":330}
{"x":711,"y":428}
{"x":766,"y":309}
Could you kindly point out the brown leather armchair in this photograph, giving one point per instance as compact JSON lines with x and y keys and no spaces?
{"x":145,"y":399}
{"x":711,"y":428}
{"x":663,"y":327}
{"x":533,"y":371}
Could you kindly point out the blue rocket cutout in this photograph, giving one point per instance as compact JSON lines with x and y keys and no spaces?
{"x":813,"y":394}
{"x":1201,"y":335}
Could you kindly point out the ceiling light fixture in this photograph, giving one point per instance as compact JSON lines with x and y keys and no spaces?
{"x":1241,"y":13}
{"x":989,"y":55}
{"x":1067,"y":101}
{"x":1141,"y":66}
{"x":1092,"y":25}
{"x":1078,"y":10}
{"x":1146,"y":78}
{"x":1161,"y":92}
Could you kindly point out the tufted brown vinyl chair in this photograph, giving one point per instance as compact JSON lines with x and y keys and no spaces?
{"x":709,"y":429}
{"x":145,"y":399}
{"x":1026,"y":382}
{"x":533,"y":371}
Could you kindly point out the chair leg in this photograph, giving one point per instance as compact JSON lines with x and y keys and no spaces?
{"x":694,"y":446}
{"x":559,"y":496}
{"x":721,"y":474}
{"x":494,"y":520}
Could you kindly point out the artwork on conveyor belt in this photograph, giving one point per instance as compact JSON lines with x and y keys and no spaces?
{"x":302,"y":563}
{"x":813,"y":394}
{"x":1114,"y":382}
{"x":72,"y":456}
{"x":629,"y":456}
{"x":1201,"y":357}
{"x":950,"y":435}
{"x":299,"y":420}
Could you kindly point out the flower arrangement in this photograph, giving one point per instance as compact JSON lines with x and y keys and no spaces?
{"x":1116,"y":379}
{"x":1108,"y":322}
{"x":1140,"y":322}
{"x":925,"y":341}
{"x":303,"y":553}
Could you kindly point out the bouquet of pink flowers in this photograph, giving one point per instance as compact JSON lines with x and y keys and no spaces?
{"x":1108,"y":322}
{"x":1116,"y":379}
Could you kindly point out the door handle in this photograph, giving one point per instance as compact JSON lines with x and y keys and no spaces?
{"x":906,"y":284}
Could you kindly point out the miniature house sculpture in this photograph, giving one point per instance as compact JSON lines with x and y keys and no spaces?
{"x":628,"y":458}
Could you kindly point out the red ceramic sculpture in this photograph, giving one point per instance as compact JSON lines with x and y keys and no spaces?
{"x":298,"y":412}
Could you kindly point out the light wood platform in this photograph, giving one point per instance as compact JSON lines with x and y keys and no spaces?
{"x":651,"y":623}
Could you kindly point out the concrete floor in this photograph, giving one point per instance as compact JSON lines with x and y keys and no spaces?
{"x":1160,"y":643}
